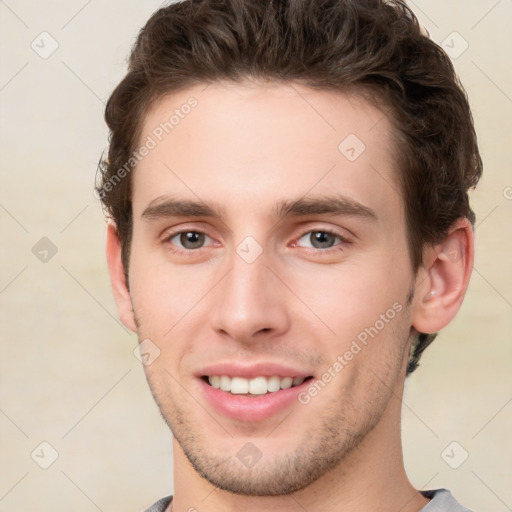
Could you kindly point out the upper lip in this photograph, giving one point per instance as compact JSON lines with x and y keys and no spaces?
{"x":250,"y":371}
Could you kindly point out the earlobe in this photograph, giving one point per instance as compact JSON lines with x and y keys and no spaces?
{"x":117,"y":279}
{"x":442,"y":282}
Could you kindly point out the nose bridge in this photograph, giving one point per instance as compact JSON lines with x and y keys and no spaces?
{"x":246,"y":285}
{"x":249,"y":299}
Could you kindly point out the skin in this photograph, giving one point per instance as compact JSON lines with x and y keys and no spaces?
{"x":244,"y":149}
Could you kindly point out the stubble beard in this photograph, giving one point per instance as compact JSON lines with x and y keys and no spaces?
{"x":325,"y":446}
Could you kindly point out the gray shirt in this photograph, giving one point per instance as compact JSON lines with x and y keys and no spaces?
{"x":441,"y":500}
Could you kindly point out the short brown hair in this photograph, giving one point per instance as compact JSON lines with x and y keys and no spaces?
{"x":374,"y":48}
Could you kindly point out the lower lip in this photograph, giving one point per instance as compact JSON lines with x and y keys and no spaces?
{"x":252,"y":408}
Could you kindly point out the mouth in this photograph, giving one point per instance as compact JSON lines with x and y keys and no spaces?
{"x":254,"y":392}
{"x":253,"y":387}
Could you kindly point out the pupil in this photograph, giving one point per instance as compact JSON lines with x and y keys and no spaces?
{"x":321,"y":239}
{"x":192,"y":240}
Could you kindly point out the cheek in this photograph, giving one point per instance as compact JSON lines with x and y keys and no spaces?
{"x":163,"y":293}
{"x":370,"y":362}
{"x":366,"y":321}
{"x":351,"y":296}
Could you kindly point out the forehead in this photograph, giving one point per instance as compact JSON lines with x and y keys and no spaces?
{"x":251,"y":145}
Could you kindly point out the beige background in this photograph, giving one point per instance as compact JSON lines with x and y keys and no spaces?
{"x":68,"y":376}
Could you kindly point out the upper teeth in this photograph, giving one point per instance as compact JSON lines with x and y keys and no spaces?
{"x":256,"y":386}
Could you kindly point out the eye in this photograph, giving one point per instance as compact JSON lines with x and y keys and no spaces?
{"x":188,"y":240}
{"x":320,"y":239}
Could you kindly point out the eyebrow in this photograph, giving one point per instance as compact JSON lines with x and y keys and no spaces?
{"x":170,"y":207}
{"x":164,"y":207}
{"x":334,"y":205}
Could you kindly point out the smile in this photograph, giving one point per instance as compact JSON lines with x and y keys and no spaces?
{"x":255,"y":386}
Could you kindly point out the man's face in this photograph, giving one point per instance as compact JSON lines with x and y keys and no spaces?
{"x":293,"y":257}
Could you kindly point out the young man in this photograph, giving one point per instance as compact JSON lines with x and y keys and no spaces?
{"x":290,"y":226}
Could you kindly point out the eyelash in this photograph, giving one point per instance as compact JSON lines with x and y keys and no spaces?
{"x":326,"y":251}
{"x":169,"y":237}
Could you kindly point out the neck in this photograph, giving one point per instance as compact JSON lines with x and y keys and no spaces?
{"x":372,"y":477}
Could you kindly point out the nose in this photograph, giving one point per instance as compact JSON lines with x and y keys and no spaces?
{"x":249,"y":304}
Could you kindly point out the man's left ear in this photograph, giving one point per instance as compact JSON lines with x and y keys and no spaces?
{"x":442,"y":281}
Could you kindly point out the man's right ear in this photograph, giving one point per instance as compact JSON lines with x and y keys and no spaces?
{"x":117,"y":278}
